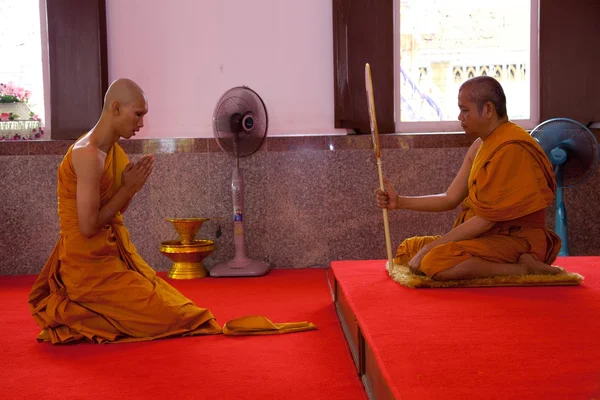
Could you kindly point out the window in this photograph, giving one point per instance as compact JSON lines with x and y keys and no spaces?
{"x":438,"y":44}
{"x":442,"y":43}
{"x":21,"y":71}
{"x":73,"y":46}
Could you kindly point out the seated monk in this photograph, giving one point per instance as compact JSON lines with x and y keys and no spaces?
{"x":95,"y":286}
{"x":505,"y":185}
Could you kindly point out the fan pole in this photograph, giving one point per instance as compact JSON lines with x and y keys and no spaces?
{"x":240,"y":265}
{"x":560,"y":220}
{"x":237,"y":189}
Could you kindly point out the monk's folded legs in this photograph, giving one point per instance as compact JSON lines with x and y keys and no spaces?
{"x":494,"y":255}
{"x":476,"y":267}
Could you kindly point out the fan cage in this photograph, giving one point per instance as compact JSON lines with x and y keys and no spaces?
{"x":576,"y":170}
{"x":234,"y":105}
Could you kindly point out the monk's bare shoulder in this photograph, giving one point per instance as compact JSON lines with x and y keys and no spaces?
{"x":87,"y":160}
{"x":472,"y":152}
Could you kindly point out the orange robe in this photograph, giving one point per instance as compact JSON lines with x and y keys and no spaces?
{"x":511,"y":183}
{"x":101,"y":290}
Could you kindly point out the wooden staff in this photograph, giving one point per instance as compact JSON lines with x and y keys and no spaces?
{"x":375,"y":138}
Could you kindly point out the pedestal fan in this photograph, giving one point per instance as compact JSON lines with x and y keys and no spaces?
{"x":573,"y":151}
{"x":240,"y":125}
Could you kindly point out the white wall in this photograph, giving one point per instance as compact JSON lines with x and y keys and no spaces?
{"x":186,"y":53}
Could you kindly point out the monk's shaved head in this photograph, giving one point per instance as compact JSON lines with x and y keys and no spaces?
{"x":125,"y":106}
{"x":482,"y":89}
{"x":124,"y":91}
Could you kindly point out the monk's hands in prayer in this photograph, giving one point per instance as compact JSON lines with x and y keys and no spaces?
{"x":135,"y":174}
{"x":388,"y":198}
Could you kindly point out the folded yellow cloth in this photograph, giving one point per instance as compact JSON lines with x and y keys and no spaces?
{"x":259,"y":325}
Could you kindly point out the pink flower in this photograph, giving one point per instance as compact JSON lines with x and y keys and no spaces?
{"x":20,"y":94}
{"x":10,"y":89}
{"x":4,"y":116}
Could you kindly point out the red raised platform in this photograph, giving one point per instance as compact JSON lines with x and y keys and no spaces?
{"x":471,"y":343}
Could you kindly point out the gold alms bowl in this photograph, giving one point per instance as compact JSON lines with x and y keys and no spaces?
{"x":187,"y":257}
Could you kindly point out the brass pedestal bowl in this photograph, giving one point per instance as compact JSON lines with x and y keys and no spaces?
{"x":187,"y":258}
{"x":187,"y":228}
{"x":187,"y":253}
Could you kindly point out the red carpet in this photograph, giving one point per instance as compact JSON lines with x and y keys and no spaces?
{"x":306,"y":365}
{"x":480,"y":343}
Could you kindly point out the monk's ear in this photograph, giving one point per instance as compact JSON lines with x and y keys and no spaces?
{"x":489,"y":109}
{"x":115,"y":108}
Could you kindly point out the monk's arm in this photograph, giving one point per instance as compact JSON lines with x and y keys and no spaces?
{"x":470,"y":229}
{"x":112,"y":207}
{"x":431,"y":203}
{"x":88,"y":166}
{"x":124,"y":208}
{"x":451,"y":198}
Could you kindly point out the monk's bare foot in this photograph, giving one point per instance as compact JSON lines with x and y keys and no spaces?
{"x":535,"y":267}
{"x":415,"y":271}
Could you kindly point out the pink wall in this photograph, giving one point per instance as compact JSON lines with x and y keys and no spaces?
{"x":186,"y":53}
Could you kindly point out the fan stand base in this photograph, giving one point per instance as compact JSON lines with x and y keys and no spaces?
{"x":240,"y":267}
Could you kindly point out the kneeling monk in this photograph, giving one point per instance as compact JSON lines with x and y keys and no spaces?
{"x":95,"y":286}
{"x":505,"y":185}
